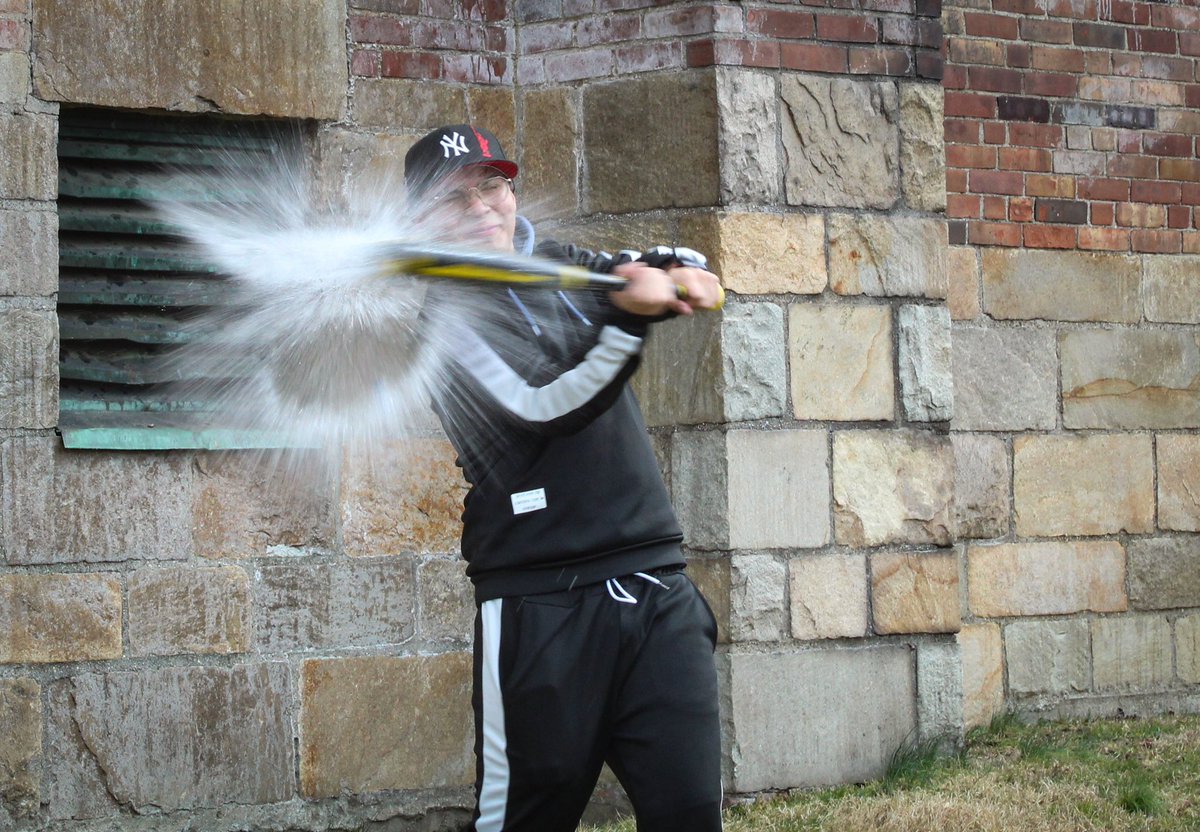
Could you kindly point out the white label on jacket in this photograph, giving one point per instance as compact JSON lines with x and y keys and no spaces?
{"x":528,"y":501}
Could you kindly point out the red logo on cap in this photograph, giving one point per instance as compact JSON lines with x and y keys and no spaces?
{"x":483,"y":144}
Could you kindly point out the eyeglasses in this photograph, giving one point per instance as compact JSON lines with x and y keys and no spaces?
{"x":490,"y":191}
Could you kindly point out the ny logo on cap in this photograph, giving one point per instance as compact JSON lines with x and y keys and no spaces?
{"x":455,"y":142}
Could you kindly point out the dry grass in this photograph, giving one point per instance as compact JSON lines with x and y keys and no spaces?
{"x":1129,"y":775}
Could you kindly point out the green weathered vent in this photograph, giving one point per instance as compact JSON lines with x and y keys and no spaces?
{"x":117,"y":289}
{"x":142,"y":327}
{"x":112,"y":218}
{"x":77,"y":178}
{"x":160,"y":154}
{"x":137,"y":253}
{"x":121,"y":363}
{"x":158,"y":432}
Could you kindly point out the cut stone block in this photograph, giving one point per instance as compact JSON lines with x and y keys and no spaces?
{"x":549,"y":166}
{"x":282,"y":59}
{"x":179,"y":610}
{"x":1178,"y":482}
{"x":420,"y":106}
{"x":940,"y":693}
{"x":754,"y":378}
{"x":1046,"y":578}
{"x":761,"y":253}
{"x":1004,"y":379}
{"x":915,"y":593}
{"x":982,"y":481}
{"x":828,"y":595}
{"x":962,"y":277}
{"x":922,"y":146}
{"x":130,"y":506}
{"x":1131,"y":653}
{"x":887,"y":256}
{"x":818,"y":717}
{"x":1085,"y":286}
{"x":841,"y":141}
{"x":379,"y":723}
{"x":841,"y":362}
{"x":28,"y":252}
{"x":171,"y":739}
{"x":1083,"y":485}
{"x":447,"y":599}
{"x":926,"y":382}
{"x":28,"y":369}
{"x":757,"y":589}
{"x":1187,"y":648}
{"x":748,"y":115}
{"x":1164,"y":573}
{"x":983,"y":673}
{"x":892,"y":487}
{"x":20,"y":745}
{"x":28,"y":156}
{"x":711,"y":577}
{"x":59,"y":618}
{"x":1126,"y":379}
{"x":1048,"y":657}
{"x":14,"y":77}
{"x":1172,"y":289}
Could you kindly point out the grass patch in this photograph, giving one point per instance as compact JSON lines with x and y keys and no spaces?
{"x":1121,"y":775}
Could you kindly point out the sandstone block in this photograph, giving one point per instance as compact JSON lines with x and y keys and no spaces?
{"x":404,"y":497}
{"x":1083,"y":485}
{"x":1172,"y":289}
{"x":778,"y":489}
{"x":28,"y":369}
{"x":962,"y":279}
{"x":1179,"y":482}
{"x":1048,"y":657}
{"x":828,"y":596}
{"x":841,"y":362}
{"x":132,"y":506}
{"x":982,"y":479}
{"x":761,"y":253}
{"x":640,"y":231}
{"x":748,"y":115}
{"x":385,"y":103}
{"x":313,"y":606}
{"x":841,"y":141}
{"x":1047,"y":578}
{"x":1187,"y":648}
{"x":279,"y":58}
{"x":926,"y":383}
{"x":700,"y":488}
{"x":179,"y":610}
{"x":360,"y":168}
{"x":1086,"y":287}
{"x":59,"y":618}
{"x":757,"y":589}
{"x":819,"y":716}
{"x":1004,"y":379}
{"x":251,"y":504}
{"x":915,"y":593}
{"x":549,"y":164}
{"x":711,"y":576}
{"x":1130,"y":379}
{"x":940,"y":692}
{"x":495,"y":107}
{"x":14,"y":77}
{"x":892,"y":487}
{"x":446,"y":598}
{"x":753,"y":352}
{"x":983,"y":673}
{"x":20,"y":745}
{"x":887,"y":256}
{"x":1164,"y":572}
{"x":28,"y":251}
{"x":378,"y":723}
{"x":680,"y":169}
{"x":681,"y":378}
{"x":1131,"y":653}
{"x":922,"y":147}
{"x":171,"y":739}
{"x":28,"y":156}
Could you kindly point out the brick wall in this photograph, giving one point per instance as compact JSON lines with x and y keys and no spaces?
{"x":1073,"y":125}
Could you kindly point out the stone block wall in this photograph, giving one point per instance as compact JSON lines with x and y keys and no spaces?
{"x":1072,"y":126}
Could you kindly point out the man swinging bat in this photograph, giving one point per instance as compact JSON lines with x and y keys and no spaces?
{"x":591,"y":644}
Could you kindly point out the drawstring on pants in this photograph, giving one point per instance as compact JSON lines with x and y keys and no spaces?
{"x":621,"y":595}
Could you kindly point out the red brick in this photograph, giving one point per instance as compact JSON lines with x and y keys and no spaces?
{"x":977,"y":51}
{"x":1059,"y":186}
{"x":673,"y":23}
{"x":14,"y":34}
{"x":1113,"y":190}
{"x":701,"y":53}
{"x":471,"y":68}
{"x":1189,"y":44}
{"x":814,"y":57}
{"x":1167,"y":144}
{"x":997,"y":182}
{"x":992,"y":79}
{"x":1176,"y":17}
{"x":955,"y":78}
{"x":1020,"y":209}
{"x":609,"y":28}
{"x":1133,"y":167}
{"x":993,"y":234}
{"x":1051,"y":84}
{"x":1179,"y":216}
{"x":441,"y":34}
{"x":1098,"y":62}
{"x":577,"y":65}
{"x":909,"y":31}
{"x":1057,"y":60}
{"x":898,"y":6}
{"x":1079,"y":9}
{"x":1099,"y":35}
{"x":647,"y":57}
{"x":1191,"y":242}
{"x":930,"y":64}
{"x":1102,"y":213}
{"x":1041,"y":30}
{"x":1034,"y":135}
{"x":422,"y":65}
{"x":1124,"y":11}
{"x":1192,"y":95}
{"x":778,"y":23}
{"x":1034,"y":159}
{"x":1141,"y":215}
{"x":1030,"y":7}
{"x":876,"y":60}
{"x":851,"y":28}
{"x":1186,"y":170}
{"x":1049,"y":236}
{"x":485,"y":9}
{"x":995,"y":133}
{"x":1104,"y":239}
{"x":439,"y":8}
{"x":1129,"y":141}
{"x":995,"y":208}
{"x":970,"y":156}
{"x":545,"y":37}
{"x":1156,"y":242}
{"x":365,"y":63}
{"x":1190,"y":194}
{"x":992,"y":26}
{"x":382,"y":30}
{"x":496,"y":38}
{"x":1161,"y":193}
{"x":956,"y":181}
{"x":962,"y":130}
{"x":1061,"y":211}
{"x":760,"y":53}
{"x":929,"y":8}
{"x":962,"y":206}
{"x":1152,"y":40}
{"x":1018,"y":55}
{"x":1167,"y":69}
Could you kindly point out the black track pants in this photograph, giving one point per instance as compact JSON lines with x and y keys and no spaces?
{"x":568,"y":680}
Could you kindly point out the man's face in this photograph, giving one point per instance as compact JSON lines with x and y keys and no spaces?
{"x":477,"y":206}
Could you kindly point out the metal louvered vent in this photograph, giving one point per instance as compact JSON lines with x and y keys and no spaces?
{"x":126,"y":285}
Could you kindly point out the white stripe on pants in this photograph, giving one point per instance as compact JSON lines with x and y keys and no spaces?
{"x":493,"y":794}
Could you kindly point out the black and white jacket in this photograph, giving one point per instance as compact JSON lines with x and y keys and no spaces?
{"x":565,"y":488}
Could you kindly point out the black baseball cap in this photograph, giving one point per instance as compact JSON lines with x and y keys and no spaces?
{"x":447,"y":149}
